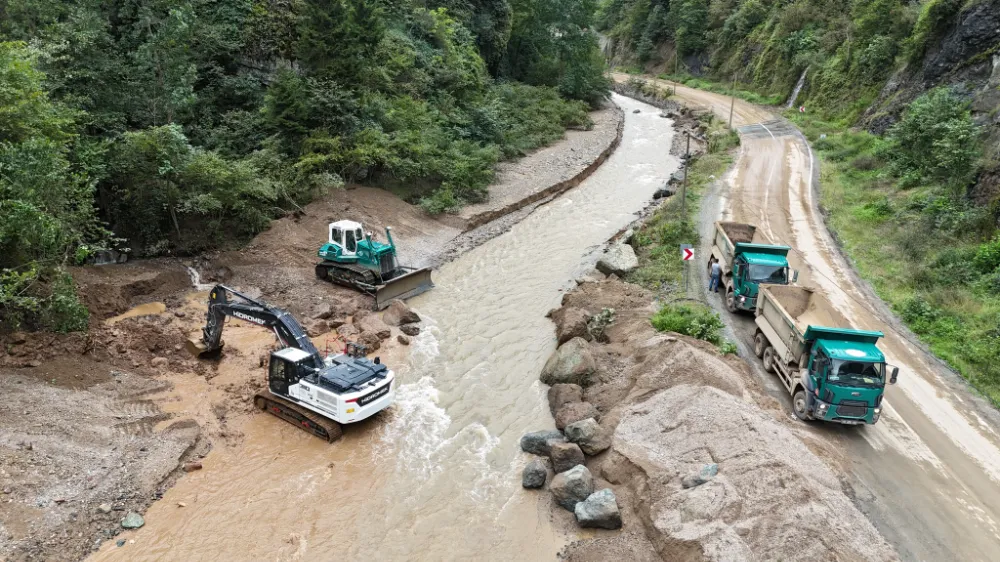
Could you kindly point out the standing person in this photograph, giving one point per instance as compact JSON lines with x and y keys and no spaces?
{"x":716,"y":275}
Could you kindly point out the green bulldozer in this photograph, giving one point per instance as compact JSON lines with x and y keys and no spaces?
{"x":353,"y":258}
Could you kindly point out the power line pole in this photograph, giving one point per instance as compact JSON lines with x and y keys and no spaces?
{"x":687,"y":162}
{"x":677,"y":66}
{"x":732,"y":103}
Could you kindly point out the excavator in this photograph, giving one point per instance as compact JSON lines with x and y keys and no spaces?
{"x":355,"y":259}
{"x":317,"y":394}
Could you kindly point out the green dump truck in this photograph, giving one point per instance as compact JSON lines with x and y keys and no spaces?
{"x":833,"y":372}
{"x":748,"y":260}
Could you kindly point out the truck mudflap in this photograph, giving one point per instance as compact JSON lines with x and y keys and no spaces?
{"x":403,"y":287}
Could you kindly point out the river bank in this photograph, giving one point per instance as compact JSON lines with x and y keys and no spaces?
{"x":129,"y":408}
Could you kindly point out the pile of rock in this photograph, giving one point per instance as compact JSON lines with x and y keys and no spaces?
{"x":573,"y":485}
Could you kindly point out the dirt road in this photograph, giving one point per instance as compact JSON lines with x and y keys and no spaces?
{"x":926,"y":474}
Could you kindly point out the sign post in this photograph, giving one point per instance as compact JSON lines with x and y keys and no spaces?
{"x":687,"y":255}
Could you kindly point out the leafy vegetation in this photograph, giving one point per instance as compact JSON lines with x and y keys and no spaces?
{"x":172,"y":127}
{"x":695,"y":320}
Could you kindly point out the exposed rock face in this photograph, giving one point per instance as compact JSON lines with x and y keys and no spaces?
{"x":570,"y":323}
{"x":589,"y":435}
{"x":572,"y":487}
{"x":563,"y":393}
{"x":600,"y":509}
{"x":572,"y":363}
{"x":534,"y":474}
{"x":398,"y":313}
{"x":540,"y":442}
{"x":619,"y":260}
{"x":574,"y":412}
{"x":565,"y":456}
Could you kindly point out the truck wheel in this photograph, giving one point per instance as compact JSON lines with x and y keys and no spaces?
{"x":800,"y":405}
{"x":759,"y":343}
{"x":769,"y":359}
{"x":730,"y":300}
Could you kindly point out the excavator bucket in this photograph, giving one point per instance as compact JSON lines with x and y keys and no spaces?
{"x":403,"y":287}
{"x":198,"y":349}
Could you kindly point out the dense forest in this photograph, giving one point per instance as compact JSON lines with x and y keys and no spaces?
{"x":901,"y":102}
{"x":158,"y":127}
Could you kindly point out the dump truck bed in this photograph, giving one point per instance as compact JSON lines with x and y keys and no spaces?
{"x":785,"y":312}
{"x":729,"y":234}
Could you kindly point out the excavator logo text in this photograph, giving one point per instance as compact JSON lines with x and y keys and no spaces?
{"x":249,"y":318}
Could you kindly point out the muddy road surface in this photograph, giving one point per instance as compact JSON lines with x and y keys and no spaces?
{"x":438,"y":476}
{"x":927,"y":474}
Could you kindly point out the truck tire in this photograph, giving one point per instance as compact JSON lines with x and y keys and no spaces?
{"x":769,"y":359}
{"x":800,"y":405}
{"x":759,"y":343}
{"x":730,"y":299}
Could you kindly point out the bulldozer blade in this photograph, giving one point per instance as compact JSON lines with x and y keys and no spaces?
{"x":403,"y":287}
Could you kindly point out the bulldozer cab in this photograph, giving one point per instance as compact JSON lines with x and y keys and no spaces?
{"x":287,"y":367}
{"x":346,"y":235}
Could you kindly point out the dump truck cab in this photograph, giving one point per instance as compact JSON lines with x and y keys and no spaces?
{"x":754,"y":265}
{"x":846,"y":376}
{"x":748,"y":260}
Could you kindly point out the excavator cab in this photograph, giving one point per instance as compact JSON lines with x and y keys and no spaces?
{"x":288,"y":366}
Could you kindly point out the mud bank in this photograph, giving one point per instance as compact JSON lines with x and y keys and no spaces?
{"x":674,"y":405}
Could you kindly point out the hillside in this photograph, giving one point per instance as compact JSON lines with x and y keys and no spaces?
{"x":154,"y":127}
{"x":900,"y":103}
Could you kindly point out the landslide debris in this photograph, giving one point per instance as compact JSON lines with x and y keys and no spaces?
{"x":703,"y":462}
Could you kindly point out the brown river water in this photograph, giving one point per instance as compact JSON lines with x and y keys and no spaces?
{"x":437,"y":477}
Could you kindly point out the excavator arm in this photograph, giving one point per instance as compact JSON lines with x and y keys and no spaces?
{"x":288,"y":331}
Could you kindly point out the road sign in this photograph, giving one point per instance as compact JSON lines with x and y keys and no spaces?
{"x":687,"y":252}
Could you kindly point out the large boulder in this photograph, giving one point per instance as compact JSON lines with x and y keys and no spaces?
{"x":563,"y":393}
{"x":600,"y":509}
{"x":574,"y":412}
{"x":572,"y":363}
{"x":619,"y":260}
{"x":370,"y":340}
{"x":540,"y":442}
{"x":565,"y":456}
{"x":570,"y":323}
{"x":534,"y":474}
{"x":398,"y":313}
{"x":373,"y":324}
{"x":572,"y":487}
{"x":589,"y":435}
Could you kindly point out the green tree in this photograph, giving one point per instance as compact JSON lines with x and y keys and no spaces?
{"x":691,"y":19}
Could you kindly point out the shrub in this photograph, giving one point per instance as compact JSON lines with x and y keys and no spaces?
{"x":987,"y":257}
{"x":695,"y":320}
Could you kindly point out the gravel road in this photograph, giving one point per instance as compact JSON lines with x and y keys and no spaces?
{"x":926,"y":475}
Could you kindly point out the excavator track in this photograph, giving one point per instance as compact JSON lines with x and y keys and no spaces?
{"x":349,"y":275}
{"x":294,"y":414}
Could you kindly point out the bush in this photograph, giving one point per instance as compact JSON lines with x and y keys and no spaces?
{"x":937,"y":138}
{"x":987,"y":257}
{"x":695,"y":320}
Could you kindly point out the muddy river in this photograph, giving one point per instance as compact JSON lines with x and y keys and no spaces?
{"x":438,"y":477}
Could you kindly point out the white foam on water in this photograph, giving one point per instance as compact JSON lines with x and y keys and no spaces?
{"x":196,"y":280}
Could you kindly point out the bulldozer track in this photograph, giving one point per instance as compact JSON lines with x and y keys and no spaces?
{"x":349,"y":275}
{"x":307,"y":420}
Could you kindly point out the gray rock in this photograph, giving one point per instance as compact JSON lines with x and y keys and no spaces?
{"x":347,"y":331}
{"x":635,"y":111}
{"x":600,"y":509}
{"x":619,"y":260}
{"x":133,"y":521}
{"x":571,"y":487}
{"x":120,"y":543}
{"x":398,"y":313}
{"x":589,"y":435}
{"x":539,"y":442}
{"x":663,"y":192}
{"x":323,"y":311}
{"x":159,"y":362}
{"x":572,"y":363}
{"x":410,"y":329}
{"x":574,"y":412}
{"x":706,"y":473}
{"x":403,"y":339}
{"x":534,"y":474}
{"x":565,"y":456}
{"x":570,"y":323}
{"x":563,"y":393}
{"x":372,"y":323}
{"x":104,"y":508}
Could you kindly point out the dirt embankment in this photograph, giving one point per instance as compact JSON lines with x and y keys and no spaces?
{"x":674,"y":405}
{"x":98,"y":424}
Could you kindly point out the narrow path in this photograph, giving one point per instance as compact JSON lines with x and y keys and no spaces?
{"x":927,"y":473}
{"x":438,"y":478}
